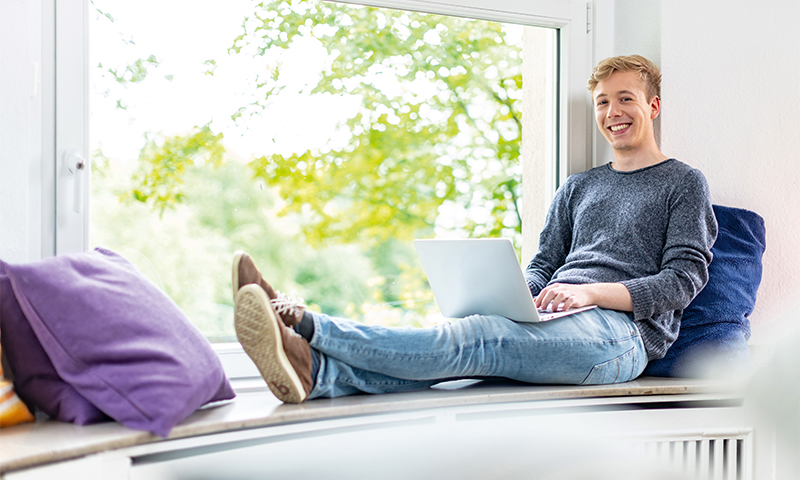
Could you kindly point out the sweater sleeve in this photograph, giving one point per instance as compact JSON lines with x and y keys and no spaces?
{"x":691,"y":231}
{"x":554,"y":242}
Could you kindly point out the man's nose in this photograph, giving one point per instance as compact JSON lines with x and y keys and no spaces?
{"x":613,"y":110}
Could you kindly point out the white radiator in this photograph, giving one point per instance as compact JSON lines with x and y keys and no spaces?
{"x":706,"y":456}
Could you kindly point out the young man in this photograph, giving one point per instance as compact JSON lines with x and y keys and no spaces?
{"x":633,"y":237}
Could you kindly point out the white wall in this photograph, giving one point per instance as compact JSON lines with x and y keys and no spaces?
{"x":731,"y":95}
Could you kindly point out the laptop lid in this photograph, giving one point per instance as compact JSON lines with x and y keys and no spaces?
{"x":477,"y":276}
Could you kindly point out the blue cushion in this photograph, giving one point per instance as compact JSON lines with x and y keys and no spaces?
{"x":715,"y":326}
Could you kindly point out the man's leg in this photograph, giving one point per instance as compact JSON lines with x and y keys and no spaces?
{"x":597,"y":346}
{"x":335,"y":378}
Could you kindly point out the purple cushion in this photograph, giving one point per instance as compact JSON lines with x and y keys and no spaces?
{"x":118,"y":340}
{"x":35,"y":379}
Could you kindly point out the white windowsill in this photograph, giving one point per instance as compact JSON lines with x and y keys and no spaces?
{"x":255,"y":407}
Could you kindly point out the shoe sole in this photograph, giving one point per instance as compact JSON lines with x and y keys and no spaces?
{"x":237,"y":258}
{"x":258,"y":329}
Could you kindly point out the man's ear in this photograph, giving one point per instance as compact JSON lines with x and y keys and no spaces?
{"x":655,"y":107}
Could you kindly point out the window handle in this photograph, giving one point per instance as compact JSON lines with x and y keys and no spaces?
{"x":73,"y":160}
{"x":75,"y":164}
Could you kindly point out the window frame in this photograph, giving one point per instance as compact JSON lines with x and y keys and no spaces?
{"x":65,"y":32}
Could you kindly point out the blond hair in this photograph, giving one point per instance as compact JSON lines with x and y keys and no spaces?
{"x":648,"y":72}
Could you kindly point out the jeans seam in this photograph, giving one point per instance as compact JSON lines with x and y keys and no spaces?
{"x":397,"y":353}
{"x":616,"y":359}
{"x":362,"y":384}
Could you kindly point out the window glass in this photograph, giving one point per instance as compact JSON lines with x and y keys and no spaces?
{"x":319,"y":137}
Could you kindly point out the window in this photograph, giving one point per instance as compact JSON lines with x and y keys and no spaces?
{"x":342,"y":272}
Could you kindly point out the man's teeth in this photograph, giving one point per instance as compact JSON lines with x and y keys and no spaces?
{"x":617,"y":128}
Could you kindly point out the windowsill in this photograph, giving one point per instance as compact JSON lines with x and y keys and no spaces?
{"x":235,"y":363}
{"x":45,"y":442}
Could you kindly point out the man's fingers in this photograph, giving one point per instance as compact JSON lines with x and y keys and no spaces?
{"x":551,"y":298}
{"x":568,"y":302}
{"x":546,"y":297}
{"x":557,"y":297}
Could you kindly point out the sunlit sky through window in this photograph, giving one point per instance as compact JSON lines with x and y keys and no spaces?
{"x":177,"y":94}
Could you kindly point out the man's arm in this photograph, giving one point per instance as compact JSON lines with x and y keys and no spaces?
{"x":686,"y":255}
{"x":563,"y":296}
{"x":554,"y":242}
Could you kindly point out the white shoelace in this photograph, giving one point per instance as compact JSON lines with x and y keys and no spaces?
{"x":287,"y":303}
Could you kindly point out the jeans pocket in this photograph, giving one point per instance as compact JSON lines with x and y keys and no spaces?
{"x":616,"y":370}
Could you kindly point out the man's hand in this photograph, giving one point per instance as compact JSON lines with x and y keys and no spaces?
{"x":563,"y":296}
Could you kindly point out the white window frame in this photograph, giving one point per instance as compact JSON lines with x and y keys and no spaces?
{"x":65,"y":113}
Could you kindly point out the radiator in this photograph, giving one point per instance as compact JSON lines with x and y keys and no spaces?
{"x":706,"y":456}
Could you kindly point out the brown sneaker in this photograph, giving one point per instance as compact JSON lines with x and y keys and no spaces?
{"x":245,"y":272}
{"x":282,"y":356}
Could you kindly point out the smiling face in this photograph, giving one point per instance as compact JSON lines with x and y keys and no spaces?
{"x":624,"y":114}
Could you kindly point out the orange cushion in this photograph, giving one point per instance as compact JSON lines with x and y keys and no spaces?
{"x":12,"y":410}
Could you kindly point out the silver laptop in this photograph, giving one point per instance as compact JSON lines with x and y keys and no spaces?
{"x":480,"y":277}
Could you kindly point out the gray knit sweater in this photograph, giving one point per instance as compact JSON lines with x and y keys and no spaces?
{"x":649,"y":229}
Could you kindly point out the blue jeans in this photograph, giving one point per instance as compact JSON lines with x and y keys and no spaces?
{"x":593,"y":347}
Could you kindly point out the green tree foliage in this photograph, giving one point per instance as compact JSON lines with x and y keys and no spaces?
{"x":163,"y":164}
{"x":437,"y":126}
{"x":135,"y":72}
{"x":187,"y":251}
{"x":410,"y":152}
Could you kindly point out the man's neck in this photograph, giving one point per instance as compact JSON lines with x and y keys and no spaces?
{"x":626,"y":161}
